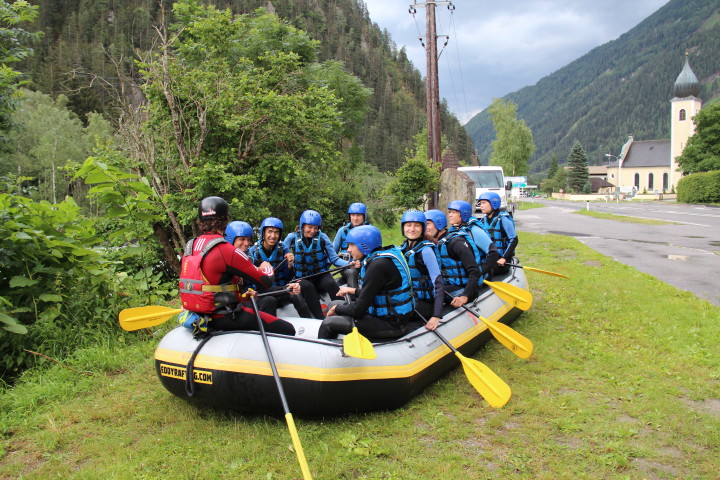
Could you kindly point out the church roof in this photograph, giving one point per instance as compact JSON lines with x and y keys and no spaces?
{"x":687,"y":84}
{"x":648,"y":153}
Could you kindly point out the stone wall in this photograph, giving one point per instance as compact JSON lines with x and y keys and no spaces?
{"x":455,"y":185}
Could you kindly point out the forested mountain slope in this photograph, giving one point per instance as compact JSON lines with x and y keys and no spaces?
{"x":87,"y":41}
{"x":618,"y":89}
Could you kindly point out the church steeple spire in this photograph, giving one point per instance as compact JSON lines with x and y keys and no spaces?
{"x":687,"y":84}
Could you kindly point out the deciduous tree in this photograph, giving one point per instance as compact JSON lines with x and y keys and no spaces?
{"x":513,"y":142}
{"x":702,"y":153}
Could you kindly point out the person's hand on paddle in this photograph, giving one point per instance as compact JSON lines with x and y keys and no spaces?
{"x":502,"y":261}
{"x":459,"y":301}
{"x":290,"y":259}
{"x":330,"y":311}
{"x":266,"y":269}
{"x":248,"y":294}
{"x":433,"y":323}
{"x":293,"y":288}
{"x":345,"y":290}
{"x":356,"y":264}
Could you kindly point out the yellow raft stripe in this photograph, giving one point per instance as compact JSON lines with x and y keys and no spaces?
{"x":321,"y":374}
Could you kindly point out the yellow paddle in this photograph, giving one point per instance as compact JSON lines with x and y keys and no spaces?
{"x":510,"y":338}
{"x":532,"y":269}
{"x":492,"y":388}
{"x":288,"y":416}
{"x":511,"y":294}
{"x":355,"y":345}
{"x":146,"y":317}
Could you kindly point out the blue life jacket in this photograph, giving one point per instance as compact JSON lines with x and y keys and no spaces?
{"x":496,"y":232}
{"x":422,"y":286}
{"x":311,"y":259}
{"x":391,"y":303}
{"x":453,"y":271}
{"x":257,"y":255}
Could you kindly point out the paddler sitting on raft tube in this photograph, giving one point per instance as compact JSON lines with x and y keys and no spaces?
{"x":209,"y":273}
{"x":384,"y":300}
{"x":313,"y":253}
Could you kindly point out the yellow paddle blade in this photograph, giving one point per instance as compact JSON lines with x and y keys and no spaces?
{"x":492,"y":388}
{"x":355,"y":345}
{"x":298,"y":447}
{"x":514,"y":341}
{"x":145,"y":317}
{"x":546,"y":272}
{"x":511,"y":294}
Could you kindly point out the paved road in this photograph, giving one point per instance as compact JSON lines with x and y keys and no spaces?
{"x":685,"y":255}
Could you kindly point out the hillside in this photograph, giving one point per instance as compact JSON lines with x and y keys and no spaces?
{"x":618,"y":89}
{"x":88,"y":45}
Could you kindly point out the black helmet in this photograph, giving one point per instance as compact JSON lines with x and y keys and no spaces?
{"x":213,"y":207}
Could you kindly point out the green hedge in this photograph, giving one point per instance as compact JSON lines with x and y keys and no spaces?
{"x":700,"y":188}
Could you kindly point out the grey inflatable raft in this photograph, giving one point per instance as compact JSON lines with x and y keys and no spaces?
{"x":230,"y":370}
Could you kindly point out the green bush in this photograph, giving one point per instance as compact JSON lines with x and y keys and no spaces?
{"x":700,"y":188}
{"x":65,"y":277}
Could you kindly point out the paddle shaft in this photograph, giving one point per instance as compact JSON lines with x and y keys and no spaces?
{"x":288,"y":416}
{"x":546,"y":272}
{"x":333,"y":270}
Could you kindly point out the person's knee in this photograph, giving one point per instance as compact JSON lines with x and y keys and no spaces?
{"x":332,"y":326}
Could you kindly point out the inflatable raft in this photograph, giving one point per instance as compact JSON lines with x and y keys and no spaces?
{"x":230,"y":370}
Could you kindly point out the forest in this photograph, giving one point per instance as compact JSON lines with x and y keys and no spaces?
{"x":120,"y":116}
{"x":618,"y":89}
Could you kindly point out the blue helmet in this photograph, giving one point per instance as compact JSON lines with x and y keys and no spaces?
{"x":357,"y":208}
{"x":413,"y":216}
{"x":310,"y":217}
{"x":237,"y":229}
{"x":463,"y":207}
{"x":491,"y":197}
{"x":270,"y":222}
{"x":437,"y":217}
{"x":366,"y":238}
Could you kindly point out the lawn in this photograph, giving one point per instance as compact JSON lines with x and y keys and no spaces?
{"x":623,"y":384}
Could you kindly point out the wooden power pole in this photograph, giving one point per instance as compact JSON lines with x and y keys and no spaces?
{"x":432,"y":86}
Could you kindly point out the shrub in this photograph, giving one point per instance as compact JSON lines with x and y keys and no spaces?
{"x":700,"y":188}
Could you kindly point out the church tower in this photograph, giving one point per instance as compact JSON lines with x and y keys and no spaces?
{"x":684,"y":107}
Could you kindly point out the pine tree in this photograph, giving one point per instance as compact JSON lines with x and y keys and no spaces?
{"x":552,"y":169}
{"x":578,"y":174}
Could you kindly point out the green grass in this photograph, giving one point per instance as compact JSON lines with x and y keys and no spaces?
{"x":529,"y":205}
{"x":623,"y":218}
{"x":623,"y":384}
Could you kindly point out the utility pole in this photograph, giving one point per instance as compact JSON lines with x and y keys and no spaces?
{"x":432,"y":86}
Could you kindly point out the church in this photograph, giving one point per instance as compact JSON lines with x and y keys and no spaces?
{"x":650,"y":165}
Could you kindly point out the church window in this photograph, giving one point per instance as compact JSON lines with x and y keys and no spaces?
{"x":651,"y":181}
{"x":637,"y":180}
{"x":682,"y":114}
{"x":666,"y":179}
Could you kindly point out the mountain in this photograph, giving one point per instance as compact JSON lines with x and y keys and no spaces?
{"x":618,"y":89}
{"x":89,"y":44}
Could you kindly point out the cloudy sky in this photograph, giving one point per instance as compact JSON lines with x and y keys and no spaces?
{"x":497,"y":47}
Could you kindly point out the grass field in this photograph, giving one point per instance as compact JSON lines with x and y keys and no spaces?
{"x":623,"y":384}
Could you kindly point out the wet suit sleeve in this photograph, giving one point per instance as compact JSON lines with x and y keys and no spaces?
{"x":237,"y":263}
{"x":490,"y":261}
{"x":508,"y":227}
{"x":481,"y":238}
{"x":380,"y":273}
{"x":430,"y":261}
{"x":337,"y":241}
{"x":461,"y":250}
{"x":331,"y":253}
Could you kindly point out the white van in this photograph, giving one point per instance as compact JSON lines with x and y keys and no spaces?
{"x":489,"y":179}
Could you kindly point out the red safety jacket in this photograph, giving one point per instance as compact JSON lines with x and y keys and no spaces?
{"x":210,"y":271}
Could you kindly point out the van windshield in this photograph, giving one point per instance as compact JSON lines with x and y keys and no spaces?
{"x":485,"y":179}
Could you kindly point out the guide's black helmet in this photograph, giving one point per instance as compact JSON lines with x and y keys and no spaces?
{"x":213,"y":207}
